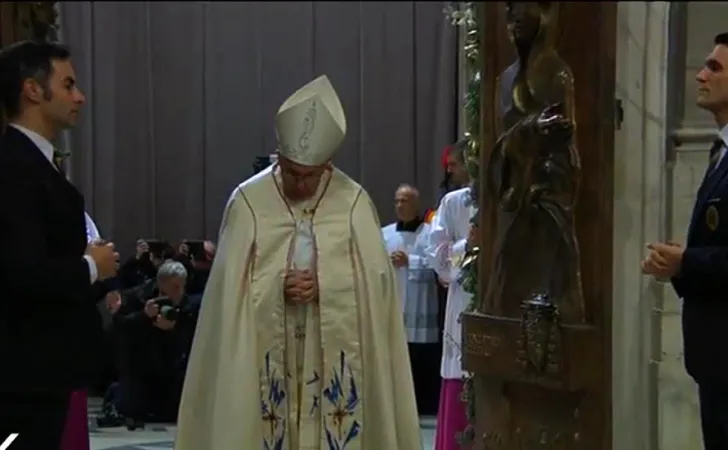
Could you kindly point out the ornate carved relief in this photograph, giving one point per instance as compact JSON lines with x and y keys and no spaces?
{"x":480,"y":344}
{"x":28,"y":20}
{"x":533,"y":172}
{"x":539,"y":346}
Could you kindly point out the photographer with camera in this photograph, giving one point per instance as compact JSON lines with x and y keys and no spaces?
{"x":155,"y":336}
{"x":197,"y":256}
{"x":141,"y":268}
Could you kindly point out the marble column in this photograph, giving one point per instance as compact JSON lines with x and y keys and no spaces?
{"x":639,"y":217}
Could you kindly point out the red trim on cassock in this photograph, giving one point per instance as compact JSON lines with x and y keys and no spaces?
{"x":429,"y":215}
{"x":446,"y":151}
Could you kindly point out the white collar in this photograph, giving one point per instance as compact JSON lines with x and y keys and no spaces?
{"x":42,"y":143}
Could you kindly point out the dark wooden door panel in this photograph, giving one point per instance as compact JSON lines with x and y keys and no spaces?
{"x":548,"y":387}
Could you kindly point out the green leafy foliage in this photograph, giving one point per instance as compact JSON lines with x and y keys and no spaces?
{"x":464,"y":15}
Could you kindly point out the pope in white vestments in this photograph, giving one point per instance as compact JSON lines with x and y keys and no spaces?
{"x":300,"y":342}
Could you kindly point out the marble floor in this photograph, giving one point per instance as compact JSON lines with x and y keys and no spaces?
{"x":158,"y":437}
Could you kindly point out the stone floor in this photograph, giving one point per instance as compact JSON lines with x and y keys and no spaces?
{"x":158,"y":437}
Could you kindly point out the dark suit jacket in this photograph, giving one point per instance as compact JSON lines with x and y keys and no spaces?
{"x":136,"y":335}
{"x":703,"y":280}
{"x":50,"y":328}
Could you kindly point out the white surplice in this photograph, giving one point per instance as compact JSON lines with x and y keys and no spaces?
{"x":446,"y":249}
{"x":416,"y":282}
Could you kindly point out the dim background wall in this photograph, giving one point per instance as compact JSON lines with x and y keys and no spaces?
{"x":182,"y":97}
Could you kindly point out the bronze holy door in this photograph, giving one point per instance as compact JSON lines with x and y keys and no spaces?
{"x":545,"y":382}
{"x":27,"y":20}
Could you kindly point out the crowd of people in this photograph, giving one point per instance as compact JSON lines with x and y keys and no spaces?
{"x":152,"y":320}
{"x":150,"y":350}
{"x":299,"y":309}
{"x":305,"y":331}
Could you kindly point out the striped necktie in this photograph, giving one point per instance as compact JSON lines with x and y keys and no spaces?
{"x":715,"y":151}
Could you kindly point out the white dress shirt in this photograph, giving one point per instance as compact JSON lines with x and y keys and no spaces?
{"x":47,"y":149}
{"x":446,"y":250}
{"x":92,"y":232}
{"x":724,"y":148}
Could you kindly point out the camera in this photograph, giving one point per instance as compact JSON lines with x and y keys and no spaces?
{"x":196,"y":250}
{"x":158,"y":249}
{"x":167,"y":308}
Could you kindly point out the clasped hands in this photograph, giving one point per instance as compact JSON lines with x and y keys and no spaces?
{"x":300,"y":287}
{"x":399,"y":258}
{"x":663,"y":260}
{"x":105,"y":258}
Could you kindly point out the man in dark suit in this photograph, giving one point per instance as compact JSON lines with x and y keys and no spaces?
{"x":699,"y":270}
{"x":49,"y":323}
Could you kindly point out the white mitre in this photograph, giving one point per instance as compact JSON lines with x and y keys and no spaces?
{"x":311,"y":124}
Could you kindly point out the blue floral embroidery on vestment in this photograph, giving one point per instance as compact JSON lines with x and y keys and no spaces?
{"x":270,"y":408}
{"x":316,"y":398}
{"x":343,"y":397}
{"x":313,"y":379}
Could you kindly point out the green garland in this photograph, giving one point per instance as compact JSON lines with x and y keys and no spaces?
{"x":464,"y":14}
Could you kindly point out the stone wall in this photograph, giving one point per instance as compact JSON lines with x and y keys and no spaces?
{"x":655,"y":401}
{"x":639,"y":212}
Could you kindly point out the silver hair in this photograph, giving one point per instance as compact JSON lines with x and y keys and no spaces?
{"x":409,"y":187}
{"x":172,"y":269}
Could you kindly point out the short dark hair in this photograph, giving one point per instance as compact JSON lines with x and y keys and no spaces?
{"x":458,"y":149}
{"x":23,"y":60}
{"x":721,"y":39}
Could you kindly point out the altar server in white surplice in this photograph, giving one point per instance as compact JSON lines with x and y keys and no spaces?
{"x":406,"y":242}
{"x":447,"y":247}
{"x":300,"y":343}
